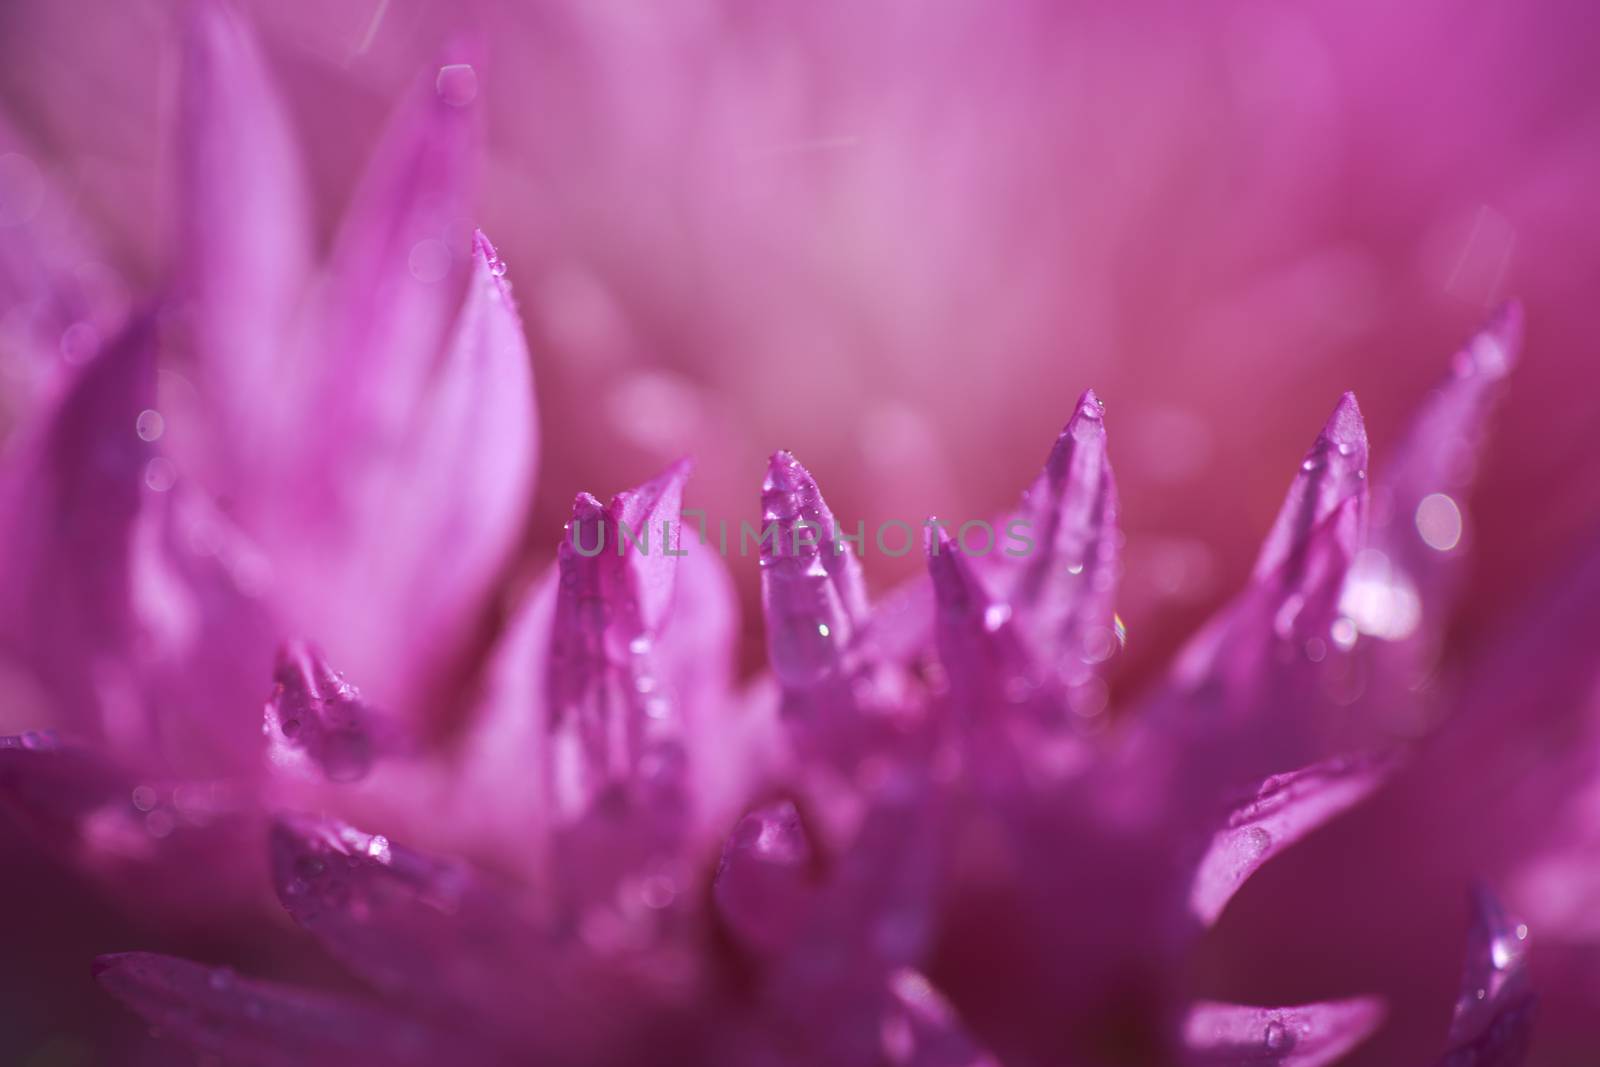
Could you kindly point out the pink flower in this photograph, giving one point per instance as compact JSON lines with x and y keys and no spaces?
{"x":925,"y":836}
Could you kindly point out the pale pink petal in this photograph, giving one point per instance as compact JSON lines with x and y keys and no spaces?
{"x":399,"y":265}
{"x":244,"y":234}
{"x":1285,"y":809}
{"x":1310,"y":1035}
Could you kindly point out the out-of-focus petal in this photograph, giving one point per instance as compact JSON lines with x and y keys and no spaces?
{"x":429,"y":929}
{"x":314,"y":714}
{"x":1493,"y":1021}
{"x":1285,"y":809}
{"x":395,"y":539}
{"x":764,"y":883}
{"x":265,"y":1024}
{"x":243,"y":263}
{"x":131,"y":604}
{"x":139,"y":837}
{"x":1235,"y":1035}
{"x":398,"y":268}
{"x":1400,"y":589}
{"x":71,"y":498}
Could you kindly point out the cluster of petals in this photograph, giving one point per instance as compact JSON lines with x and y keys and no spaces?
{"x":921,"y":839}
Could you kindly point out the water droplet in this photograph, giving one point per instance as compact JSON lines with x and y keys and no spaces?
{"x":150,"y":425}
{"x":1278,"y":1037}
{"x":160,"y":474}
{"x":291,"y":727}
{"x":995,"y":616}
{"x":497,"y":267}
{"x":457,"y":84}
{"x":378,"y":848}
{"x":1522,"y":931}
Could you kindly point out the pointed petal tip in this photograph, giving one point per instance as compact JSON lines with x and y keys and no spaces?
{"x":1346,"y":427}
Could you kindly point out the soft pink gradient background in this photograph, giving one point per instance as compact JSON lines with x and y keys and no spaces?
{"x":900,"y":238}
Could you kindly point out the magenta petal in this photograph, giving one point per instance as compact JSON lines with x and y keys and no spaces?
{"x":763,"y":887}
{"x":1004,"y":709}
{"x":613,"y":724}
{"x":1400,"y":589}
{"x":246,"y":1021}
{"x":72,"y":496}
{"x":245,"y":234}
{"x":1249,"y":693}
{"x":1493,"y":1021}
{"x":1061,"y":592}
{"x":399,"y":264}
{"x":815,"y":602}
{"x":1285,"y":809}
{"x":1333,"y":472}
{"x":1234,"y":1035}
{"x":316,"y":714}
{"x":812,"y":587}
{"x":414,"y":925}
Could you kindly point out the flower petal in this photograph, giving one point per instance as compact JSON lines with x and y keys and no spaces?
{"x":72,"y":496}
{"x":1286,"y":808}
{"x":812,"y":587}
{"x":399,"y":262}
{"x":1062,"y":592}
{"x":1306,"y":1036}
{"x":253,"y":1022}
{"x":1247,"y":694}
{"x":1493,"y":1020}
{"x":315,"y":715}
{"x":1401,"y":587}
{"x":244,"y":233}
{"x":417,"y":926}
{"x":763,"y":885}
{"x":1009,"y":716}
{"x":395,"y":541}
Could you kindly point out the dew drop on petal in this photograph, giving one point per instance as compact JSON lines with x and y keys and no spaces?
{"x":457,"y":84}
{"x":150,"y":425}
{"x":160,"y":474}
{"x":1278,"y":1037}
